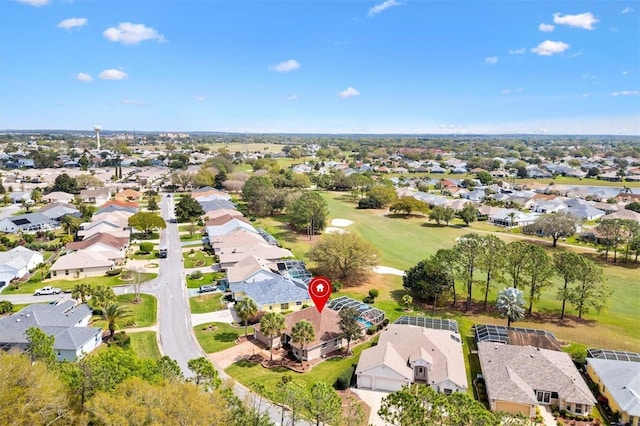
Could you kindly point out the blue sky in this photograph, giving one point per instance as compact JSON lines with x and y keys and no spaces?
{"x":307,"y":66}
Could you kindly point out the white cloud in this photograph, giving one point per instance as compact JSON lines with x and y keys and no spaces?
{"x":491,"y":60}
{"x":348,"y":92}
{"x":505,"y":91}
{"x":586,"y":95}
{"x":626,"y":93}
{"x":286,"y":66}
{"x":81,"y":76}
{"x":129,"y":33}
{"x":627,"y":10}
{"x":382,"y":6}
{"x":293,"y":97}
{"x":625,"y":72}
{"x":67,"y":24}
{"x":517,"y":51}
{"x":36,"y":3}
{"x":548,"y":48}
{"x":112,"y":74}
{"x":582,"y":20}
{"x":199,"y":98}
{"x":132,"y":102}
{"x":547,"y":28}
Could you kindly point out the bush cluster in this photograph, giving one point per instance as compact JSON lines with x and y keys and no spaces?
{"x":344,"y":379}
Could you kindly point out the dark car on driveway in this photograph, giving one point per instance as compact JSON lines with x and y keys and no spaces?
{"x":206,"y":288}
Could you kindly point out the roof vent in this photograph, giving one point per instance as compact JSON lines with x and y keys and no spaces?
{"x":17,"y":319}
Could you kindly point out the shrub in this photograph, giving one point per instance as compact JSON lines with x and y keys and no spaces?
{"x":560,"y":423}
{"x":371,"y":330}
{"x":367,"y":299}
{"x":385,"y":322}
{"x":5,"y":306}
{"x":146,"y":247}
{"x":373,"y":293}
{"x":369,"y":203}
{"x":122,"y":339}
{"x":113,"y":272}
{"x":344,"y":379}
{"x":196,"y":275}
{"x":336,"y":286}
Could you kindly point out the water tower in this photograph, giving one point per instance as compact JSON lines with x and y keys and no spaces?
{"x":98,"y":129}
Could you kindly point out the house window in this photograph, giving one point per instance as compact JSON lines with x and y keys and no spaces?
{"x":578,"y":409}
{"x":338,"y":342}
{"x":447,"y":391}
{"x":554,"y":395}
{"x":284,"y":306}
{"x":324,"y":345}
{"x":298,"y":303}
{"x":66,"y":272}
{"x":543,"y":396}
{"x":568,"y":407}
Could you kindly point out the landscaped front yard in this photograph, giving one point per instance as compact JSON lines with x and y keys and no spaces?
{"x":197,"y":259}
{"x":29,"y":287}
{"x":143,"y":314}
{"x":145,"y":345}
{"x":206,"y":303}
{"x":207,"y":278}
{"x":216,"y":336}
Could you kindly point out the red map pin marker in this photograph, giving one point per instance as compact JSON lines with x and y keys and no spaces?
{"x":320,"y":290}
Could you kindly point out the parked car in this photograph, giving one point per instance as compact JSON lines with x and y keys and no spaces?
{"x":206,"y":288}
{"x":47,"y":290}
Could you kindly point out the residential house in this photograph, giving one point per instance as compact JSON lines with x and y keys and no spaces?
{"x":57,"y":197}
{"x":227,"y":228}
{"x":82,"y":264}
{"x":519,"y":378}
{"x":622,"y":214}
{"x":408,"y":354}
{"x":229,"y":256}
{"x":618,"y":380}
{"x":208,"y":191}
{"x":213,"y":205}
{"x":114,"y":248}
{"x":237,"y":238}
{"x":95,"y":196}
{"x":326,"y":329}
{"x":627,"y":197}
{"x":510,"y":218}
{"x":30,"y":223}
{"x":65,"y":321}
{"x":56,"y":211}
{"x":132,"y":206}
{"x":128,"y":195}
{"x":251,"y":270}
{"x":222,"y":212}
{"x":17,"y":262}
{"x":273,"y":295}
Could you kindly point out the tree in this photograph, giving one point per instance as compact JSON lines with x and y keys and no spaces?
{"x":71,"y":224}
{"x":427,"y":280}
{"x":469,"y":213}
{"x":353,"y":415}
{"x":31,"y":393}
{"x":246,"y":308}
{"x":113,"y":313}
{"x":349,"y":325}
{"x":447,"y":259}
{"x":516,"y":260}
{"x":36,"y":195}
{"x":629,"y":231}
{"x":407,"y":301}
{"x":152,"y":203}
{"x":80,"y":292}
{"x":383,"y":194}
{"x":272,"y":324}
{"x":347,"y":258}
{"x":635,"y":206}
{"x":468,"y":249}
{"x":539,"y":269}
{"x":437,"y":214}
{"x":556,"y":225}
{"x":147,"y":222}
{"x":566,"y":267}
{"x":407,"y":205}
{"x":323,"y":404}
{"x":101,"y":296}
{"x":303,"y":333}
{"x":188,"y":208}
{"x":592,"y":291}
{"x":258,"y":192}
{"x":484,"y":177}
{"x":608,"y":231}
{"x":65,"y":183}
{"x":183,"y":179}
{"x":308,"y":212}
{"x":491,"y":260}
{"x":510,"y":304}
{"x":40,"y":346}
{"x":169,"y":369}
{"x":6,"y":199}
{"x":88,"y":181}
{"x":135,"y":272}
{"x":205,"y":373}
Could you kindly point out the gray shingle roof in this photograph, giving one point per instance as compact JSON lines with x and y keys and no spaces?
{"x":272,"y":292}
{"x":622,"y":379}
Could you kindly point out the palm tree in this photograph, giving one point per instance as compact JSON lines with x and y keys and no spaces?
{"x":113,"y":313}
{"x":70,"y":223}
{"x":80,"y":291}
{"x":512,"y":218}
{"x":303,"y":333}
{"x":510,"y":304}
{"x":246,"y":308}
{"x":272,"y":324}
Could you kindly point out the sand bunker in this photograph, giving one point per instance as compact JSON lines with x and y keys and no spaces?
{"x":341,"y":222}
{"x":386,"y":270}
{"x":331,"y":230}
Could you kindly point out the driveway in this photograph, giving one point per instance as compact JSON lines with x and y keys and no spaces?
{"x":226,"y":358}
{"x":374,"y":400}
{"x":226,"y":316}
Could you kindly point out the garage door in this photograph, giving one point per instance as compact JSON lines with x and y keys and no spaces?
{"x":388,"y":384}
{"x":364,"y":382}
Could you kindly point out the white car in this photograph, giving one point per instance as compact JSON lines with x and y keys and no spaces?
{"x":47,"y":290}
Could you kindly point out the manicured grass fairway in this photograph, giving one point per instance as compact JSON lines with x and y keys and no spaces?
{"x":30,"y":287}
{"x":145,"y":345}
{"x":224,"y":336}
{"x":206,"y":303}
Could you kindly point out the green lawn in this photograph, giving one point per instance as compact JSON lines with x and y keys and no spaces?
{"x":207,"y":278}
{"x":327,"y":371}
{"x":195,"y":237}
{"x":145,"y":345}
{"x":30,"y":287}
{"x":197,"y":259}
{"x":223,"y":337}
{"x":144,"y":314}
{"x":206,"y":303}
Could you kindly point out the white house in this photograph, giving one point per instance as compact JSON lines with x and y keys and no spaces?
{"x":408,"y":354}
{"x":17,"y":262}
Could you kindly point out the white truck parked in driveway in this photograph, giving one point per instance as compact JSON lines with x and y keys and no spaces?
{"x":47,"y":290}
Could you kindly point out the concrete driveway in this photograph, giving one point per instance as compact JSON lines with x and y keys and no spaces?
{"x":226,"y":358}
{"x":226,"y":316}
{"x":374,"y":400}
